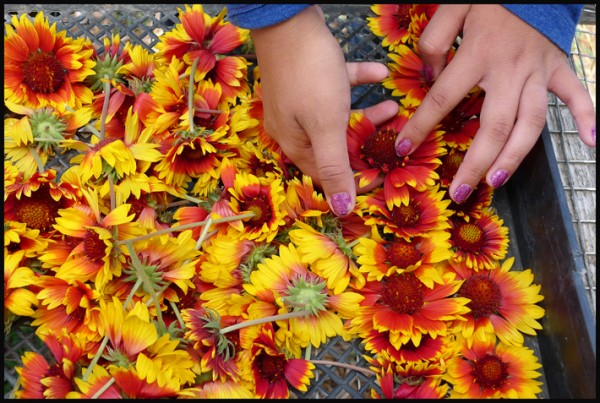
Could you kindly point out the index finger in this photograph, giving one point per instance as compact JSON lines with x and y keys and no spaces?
{"x":453,"y":84}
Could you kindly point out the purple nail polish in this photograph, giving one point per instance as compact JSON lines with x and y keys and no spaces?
{"x":462,"y":193}
{"x":403,"y":147}
{"x":340,"y":204}
{"x":499,"y":178}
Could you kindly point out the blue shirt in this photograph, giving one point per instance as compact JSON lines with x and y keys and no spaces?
{"x":555,"y":21}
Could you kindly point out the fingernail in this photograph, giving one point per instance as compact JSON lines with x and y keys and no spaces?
{"x":403,"y":147}
{"x":499,"y":178}
{"x":462,"y":193}
{"x":340,"y":203}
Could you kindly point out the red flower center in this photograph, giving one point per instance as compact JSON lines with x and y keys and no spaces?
{"x":44,"y":73}
{"x":260,"y":207}
{"x":485,"y":295}
{"x":405,"y":216}
{"x":270,"y":368}
{"x":402,"y":253}
{"x":379,"y":150}
{"x":37,"y":211}
{"x":490,"y":372}
{"x":468,"y":237}
{"x":403,"y":293}
{"x":450,"y":164}
{"x":94,"y":247}
{"x":402,"y":15}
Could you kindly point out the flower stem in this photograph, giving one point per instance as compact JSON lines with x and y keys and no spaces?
{"x":186,"y":226}
{"x":88,"y":371}
{"x":177,"y":314}
{"x":103,"y":389}
{"x":113,"y":197}
{"x":173,"y":204}
{"x":36,"y":156}
{"x":148,"y":286}
{"x":104,"y":108}
{"x":365,"y":371}
{"x":91,"y":128}
{"x":202,"y":236}
{"x":137,"y":284}
{"x":283,"y":316}
{"x":357,"y":240}
{"x":191,"y":94}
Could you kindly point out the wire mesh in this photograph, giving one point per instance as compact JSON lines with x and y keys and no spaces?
{"x":144,"y":24}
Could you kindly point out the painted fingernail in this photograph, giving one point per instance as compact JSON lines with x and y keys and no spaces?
{"x":499,"y":178}
{"x":340,"y":203}
{"x":462,"y":193}
{"x":403,"y":147}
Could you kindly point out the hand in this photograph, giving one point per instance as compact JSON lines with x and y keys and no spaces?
{"x":305,"y":84}
{"x":515,"y":65}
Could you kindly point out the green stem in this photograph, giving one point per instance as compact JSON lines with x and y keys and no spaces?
{"x":190,"y":198}
{"x":202,"y":236}
{"x":113,"y":197}
{"x":137,"y":284}
{"x":13,"y":391}
{"x":103,"y":389}
{"x":283,"y":316}
{"x":213,"y":111}
{"x":177,"y":315}
{"x":365,"y":371}
{"x":186,"y":226}
{"x":38,"y":160}
{"x":148,"y":286}
{"x":191,"y":94}
{"x":355,"y":242}
{"x":87,"y":126}
{"x":105,"y":340}
{"x":88,"y":371}
{"x":173,"y":204}
{"x":104,"y":108}
{"x":48,"y":140}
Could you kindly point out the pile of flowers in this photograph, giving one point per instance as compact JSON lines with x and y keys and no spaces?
{"x":162,"y":245}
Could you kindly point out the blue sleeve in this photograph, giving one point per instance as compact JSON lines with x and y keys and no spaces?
{"x":555,"y":21}
{"x":253,"y":16}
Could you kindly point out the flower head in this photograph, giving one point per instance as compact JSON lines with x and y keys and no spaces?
{"x":43,"y":67}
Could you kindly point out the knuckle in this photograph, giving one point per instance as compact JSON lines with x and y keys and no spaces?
{"x":330,"y":173}
{"x":430,"y":47}
{"x":500,"y":131}
{"x":439,"y":101}
{"x":537,"y":117}
{"x":513,"y":158}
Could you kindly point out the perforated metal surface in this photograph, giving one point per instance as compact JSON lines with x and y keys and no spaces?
{"x":144,"y":24}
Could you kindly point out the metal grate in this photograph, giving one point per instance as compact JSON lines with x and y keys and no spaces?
{"x":143,"y":24}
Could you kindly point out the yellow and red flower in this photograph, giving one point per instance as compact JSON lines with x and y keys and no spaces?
{"x":491,"y":370}
{"x":426,"y":211}
{"x":210,"y":40}
{"x":404,"y":306}
{"x":381,"y":257}
{"x":416,"y":380}
{"x":43,"y":67}
{"x":399,"y":23}
{"x":55,"y":380}
{"x":503,"y":303}
{"x":273,"y":371}
{"x":18,"y":299}
{"x":372,"y":155}
{"x":480,"y":242}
